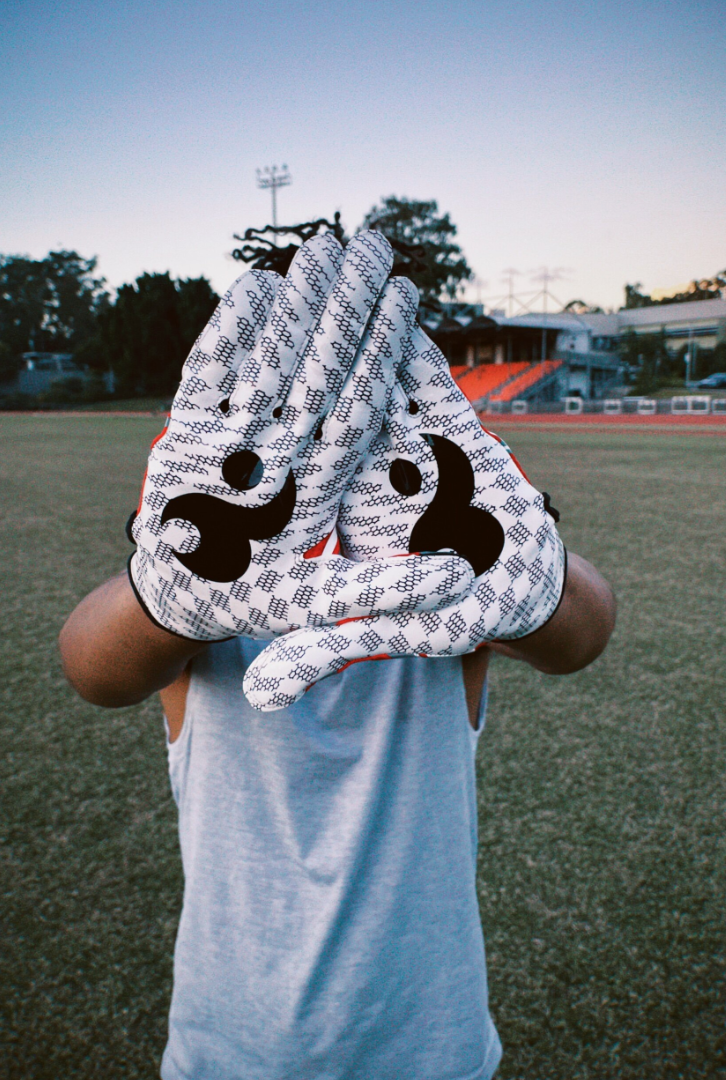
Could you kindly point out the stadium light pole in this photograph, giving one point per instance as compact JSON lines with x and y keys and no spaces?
{"x":270,"y":179}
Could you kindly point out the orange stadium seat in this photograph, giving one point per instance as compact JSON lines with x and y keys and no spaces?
{"x":526,"y":379}
{"x":479,"y":381}
{"x":457,"y":370}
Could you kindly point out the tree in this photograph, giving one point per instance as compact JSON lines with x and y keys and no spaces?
{"x":579,"y":307}
{"x":651,"y":360}
{"x":146,"y":335}
{"x":8,"y":364}
{"x":49,"y":304}
{"x":261,"y":250}
{"x":634,"y":298}
{"x":23,"y":294}
{"x":75,"y":298}
{"x":711,"y":288}
{"x":423,"y":241}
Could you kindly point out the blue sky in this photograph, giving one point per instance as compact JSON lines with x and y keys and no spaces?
{"x":588,"y":136}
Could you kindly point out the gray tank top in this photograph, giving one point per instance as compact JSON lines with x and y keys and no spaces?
{"x":330,"y":927}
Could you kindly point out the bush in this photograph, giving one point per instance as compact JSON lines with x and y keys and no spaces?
{"x":94,"y":388}
{"x":17,"y":402}
{"x":63,"y":392}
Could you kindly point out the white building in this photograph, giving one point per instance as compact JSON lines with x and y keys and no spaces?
{"x":589,"y":344}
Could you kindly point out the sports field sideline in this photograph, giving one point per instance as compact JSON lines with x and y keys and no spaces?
{"x":602,"y":795}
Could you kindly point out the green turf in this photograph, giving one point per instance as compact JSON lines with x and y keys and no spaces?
{"x":133,"y":405}
{"x":602,"y":868}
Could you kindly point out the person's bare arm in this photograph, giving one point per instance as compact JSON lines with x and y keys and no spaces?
{"x":112,"y":653}
{"x":578,"y":631}
{"x":575,"y":635}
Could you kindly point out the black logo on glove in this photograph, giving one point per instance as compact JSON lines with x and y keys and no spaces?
{"x":225,"y":529}
{"x":450,"y":521}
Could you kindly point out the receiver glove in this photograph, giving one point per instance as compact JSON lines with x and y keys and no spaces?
{"x":434,"y":478}
{"x":278,"y":403}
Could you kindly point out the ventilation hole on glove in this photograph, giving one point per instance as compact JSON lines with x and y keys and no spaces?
{"x":319,"y":432}
{"x":243,"y":470}
{"x":405,"y":477}
{"x":224,"y":406}
{"x":277,"y":412}
{"x":412,"y":408}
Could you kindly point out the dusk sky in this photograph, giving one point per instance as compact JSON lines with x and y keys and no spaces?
{"x":585,"y":136}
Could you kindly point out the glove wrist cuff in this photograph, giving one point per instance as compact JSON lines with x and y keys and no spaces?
{"x":150,"y":615}
{"x":549,"y":616}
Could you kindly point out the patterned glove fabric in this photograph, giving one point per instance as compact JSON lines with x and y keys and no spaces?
{"x":279,"y":401}
{"x":434,"y":478}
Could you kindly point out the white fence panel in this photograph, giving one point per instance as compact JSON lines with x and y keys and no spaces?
{"x":647,"y":406}
{"x":718,"y":406}
{"x":519,"y":407}
{"x":573,"y":406}
{"x":612,"y":406}
{"x":688,"y":404}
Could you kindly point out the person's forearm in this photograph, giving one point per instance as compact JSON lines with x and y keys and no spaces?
{"x":112,"y":653}
{"x":578,"y":631}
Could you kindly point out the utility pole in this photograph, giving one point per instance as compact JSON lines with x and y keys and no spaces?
{"x":270,"y":179}
{"x":545,"y":275}
{"x":508,"y":277}
{"x":545,"y":281}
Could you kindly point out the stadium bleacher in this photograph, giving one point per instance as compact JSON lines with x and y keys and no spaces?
{"x":524,"y":381}
{"x":480,"y":381}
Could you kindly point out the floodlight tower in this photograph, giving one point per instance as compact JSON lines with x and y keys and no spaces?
{"x":271,"y":178}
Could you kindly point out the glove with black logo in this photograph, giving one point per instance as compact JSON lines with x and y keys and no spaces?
{"x":433,"y":479}
{"x":279,"y":401}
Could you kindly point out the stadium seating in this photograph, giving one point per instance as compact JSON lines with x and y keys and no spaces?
{"x":480,"y":381}
{"x":457,"y":370}
{"x":524,"y":381}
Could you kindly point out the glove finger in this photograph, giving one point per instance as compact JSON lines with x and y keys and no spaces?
{"x":343,"y":438}
{"x":264,"y":378}
{"x":361,"y":405}
{"x":396,"y":484}
{"x":340,"y":589}
{"x":425,"y":375}
{"x":425,"y":393}
{"x":208,"y":374}
{"x":331,"y":351}
{"x":293,"y":663}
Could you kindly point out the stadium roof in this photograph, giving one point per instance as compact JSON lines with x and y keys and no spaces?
{"x":701,"y":312}
{"x":712,"y":311}
{"x":565,"y":320}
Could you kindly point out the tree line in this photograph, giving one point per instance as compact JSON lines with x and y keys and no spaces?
{"x":58,"y":304}
{"x":143,"y":334}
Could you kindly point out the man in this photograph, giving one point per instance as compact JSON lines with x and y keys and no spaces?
{"x":330,"y":927}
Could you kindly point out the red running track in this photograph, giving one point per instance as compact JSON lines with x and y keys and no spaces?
{"x":661,"y":423}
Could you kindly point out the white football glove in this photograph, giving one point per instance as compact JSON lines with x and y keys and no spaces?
{"x":434,"y":478}
{"x":279,"y":401}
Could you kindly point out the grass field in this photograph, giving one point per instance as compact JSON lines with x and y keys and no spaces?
{"x":602,"y":796}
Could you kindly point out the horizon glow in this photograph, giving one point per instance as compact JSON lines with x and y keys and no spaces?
{"x":564,"y":135}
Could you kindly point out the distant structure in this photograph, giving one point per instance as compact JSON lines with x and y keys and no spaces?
{"x":270,"y":179}
{"x":41,"y":369}
{"x":551,"y":356}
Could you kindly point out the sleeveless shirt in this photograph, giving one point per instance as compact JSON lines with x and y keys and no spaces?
{"x":330,"y":927}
